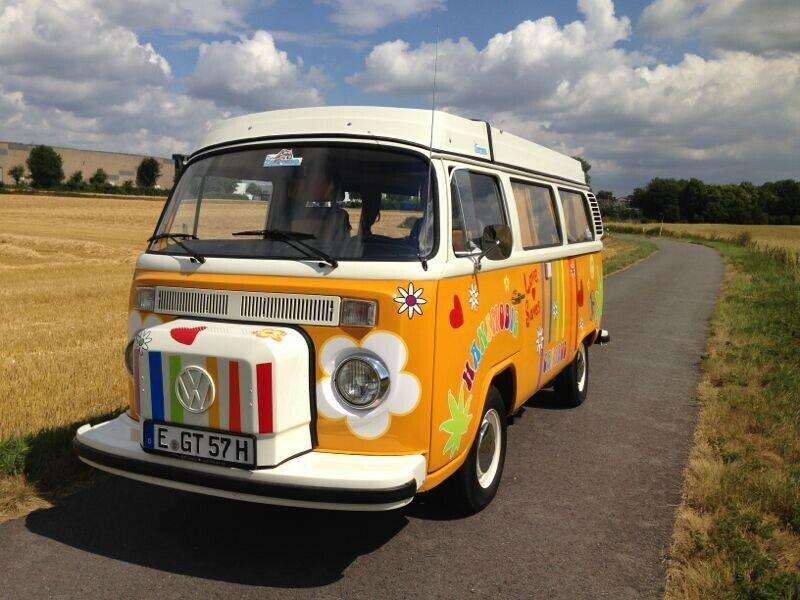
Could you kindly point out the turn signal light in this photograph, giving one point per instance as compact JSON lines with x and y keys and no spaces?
{"x":359,"y":313}
{"x":145,"y":299}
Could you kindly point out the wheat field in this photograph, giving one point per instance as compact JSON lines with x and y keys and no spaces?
{"x":777,"y":236}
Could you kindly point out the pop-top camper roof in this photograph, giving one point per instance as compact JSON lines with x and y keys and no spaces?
{"x":451,"y":135}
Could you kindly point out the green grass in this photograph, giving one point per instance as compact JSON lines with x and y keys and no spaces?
{"x":737,"y":532}
{"x":45,"y":459}
{"x":641,"y":250}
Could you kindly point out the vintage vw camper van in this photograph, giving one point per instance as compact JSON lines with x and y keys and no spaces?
{"x":342,"y":307}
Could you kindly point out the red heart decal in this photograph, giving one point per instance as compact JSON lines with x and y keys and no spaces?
{"x":185,"y":335}
{"x":580,"y":293}
{"x":456,"y":315}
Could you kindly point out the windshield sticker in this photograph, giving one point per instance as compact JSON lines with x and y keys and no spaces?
{"x":284,"y":158}
{"x":483,"y":150}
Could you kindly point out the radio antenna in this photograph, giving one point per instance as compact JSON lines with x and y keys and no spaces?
{"x":430,"y":141}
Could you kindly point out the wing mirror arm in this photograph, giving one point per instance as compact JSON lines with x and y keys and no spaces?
{"x":496,"y":243}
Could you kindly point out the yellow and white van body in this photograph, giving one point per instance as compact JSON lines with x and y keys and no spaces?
{"x":234,"y":359}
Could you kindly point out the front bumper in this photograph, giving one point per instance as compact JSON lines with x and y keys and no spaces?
{"x":314,"y":479}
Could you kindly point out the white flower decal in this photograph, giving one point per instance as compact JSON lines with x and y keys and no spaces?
{"x":580,"y":324}
{"x":141,"y":342}
{"x":401,"y":398}
{"x":410,"y":300}
{"x":539,"y":340}
{"x":572,"y":270}
{"x":555,"y":309}
{"x":473,"y":296}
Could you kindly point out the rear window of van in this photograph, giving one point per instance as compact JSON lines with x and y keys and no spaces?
{"x":576,"y":217}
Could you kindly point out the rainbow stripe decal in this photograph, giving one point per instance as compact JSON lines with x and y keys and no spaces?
{"x":231,"y":410}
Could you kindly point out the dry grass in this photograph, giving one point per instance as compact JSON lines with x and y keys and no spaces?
{"x":737,"y":533}
{"x":65,"y":267}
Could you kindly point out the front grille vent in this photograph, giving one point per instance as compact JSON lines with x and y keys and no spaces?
{"x":289,"y":308}
{"x":182,"y":301}
{"x":597,"y":219}
{"x":261,"y":307}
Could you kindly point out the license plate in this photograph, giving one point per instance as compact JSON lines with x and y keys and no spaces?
{"x":199,"y":444}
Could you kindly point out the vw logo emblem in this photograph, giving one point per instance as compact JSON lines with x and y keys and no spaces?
{"x":195,"y":389}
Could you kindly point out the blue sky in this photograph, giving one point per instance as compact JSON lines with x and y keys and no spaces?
{"x":676,"y":88}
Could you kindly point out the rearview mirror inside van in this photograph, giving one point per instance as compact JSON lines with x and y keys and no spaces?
{"x":496,"y":242}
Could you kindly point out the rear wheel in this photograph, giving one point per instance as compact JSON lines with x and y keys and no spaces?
{"x":475,"y":484}
{"x":572,"y":384}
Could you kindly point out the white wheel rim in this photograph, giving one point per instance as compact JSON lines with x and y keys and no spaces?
{"x":581,"y":365}
{"x":489,"y":442}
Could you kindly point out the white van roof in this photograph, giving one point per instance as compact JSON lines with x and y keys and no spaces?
{"x":451,"y":135}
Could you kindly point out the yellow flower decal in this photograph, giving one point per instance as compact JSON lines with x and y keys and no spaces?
{"x":270,"y":333}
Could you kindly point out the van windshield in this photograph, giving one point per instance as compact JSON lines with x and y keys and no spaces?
{"x":350,"y":203}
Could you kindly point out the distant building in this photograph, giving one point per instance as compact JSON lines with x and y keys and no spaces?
{"x":120,"y":167}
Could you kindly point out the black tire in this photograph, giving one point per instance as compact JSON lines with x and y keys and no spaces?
{"x":467,"y":491}
{"x":572,"y":385}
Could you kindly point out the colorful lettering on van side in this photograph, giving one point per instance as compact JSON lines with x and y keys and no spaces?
{"x":499,"y":318}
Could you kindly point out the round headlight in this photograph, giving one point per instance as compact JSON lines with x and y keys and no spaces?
{"x":361,"y":381}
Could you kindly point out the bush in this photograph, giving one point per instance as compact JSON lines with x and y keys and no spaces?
{"x":45,"y":167}
{"x":99,"y":179}
{"x":17,"y":172}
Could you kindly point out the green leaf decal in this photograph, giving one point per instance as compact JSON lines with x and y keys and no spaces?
{"x":458,"y":423}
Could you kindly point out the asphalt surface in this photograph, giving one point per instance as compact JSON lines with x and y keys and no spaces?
{"x":585,"y":509}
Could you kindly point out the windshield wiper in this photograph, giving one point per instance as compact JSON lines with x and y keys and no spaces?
{"x":177,"y":237}
{"x":295,"y":240}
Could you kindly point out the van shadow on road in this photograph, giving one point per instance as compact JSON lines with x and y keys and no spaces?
{"x":214,"y":538}
{"x":226,"y":540}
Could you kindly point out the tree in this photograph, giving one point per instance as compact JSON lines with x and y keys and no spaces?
{"x":148,"y":172}
{"x":75,"y":181}
{"x":605,"y":195}
{"x":45,"y":167}
{"x":586,"y":166}
{"x":17,"y":172}
{"x":99,"y":178}
{"x":127,"y":186}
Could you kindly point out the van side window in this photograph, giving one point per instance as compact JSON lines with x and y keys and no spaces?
{"x":576,"y":217}
{"x":536,"y":207}
{"x":476,"y":203}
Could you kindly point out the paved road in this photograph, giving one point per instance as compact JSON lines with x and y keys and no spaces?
{"x":585,"y":509}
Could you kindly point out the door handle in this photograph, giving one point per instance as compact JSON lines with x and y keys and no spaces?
{"x":516,"y":297}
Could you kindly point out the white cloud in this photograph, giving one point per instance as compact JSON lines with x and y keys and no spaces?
{"x":730,"y":116}
{"x":254,"y":75}
{"x":371,"y":15}
{"x":749,"y":25}
{"x":206,"y":16}
{"x":69,"y":76}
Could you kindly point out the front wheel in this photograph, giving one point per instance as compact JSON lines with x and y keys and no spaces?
{"x":475,"y":484}
{"x":572,"y":384}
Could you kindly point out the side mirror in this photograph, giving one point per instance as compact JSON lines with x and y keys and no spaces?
{"x":496,"y":242}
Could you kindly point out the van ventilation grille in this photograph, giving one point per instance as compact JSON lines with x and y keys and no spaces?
{"x":261,"y":307}
{"x":597,"y":219}
{"x":288,"y":308}
{"x":182,"y":301}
